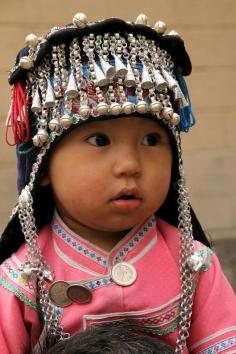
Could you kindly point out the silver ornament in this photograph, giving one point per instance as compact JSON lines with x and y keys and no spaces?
{"x":115,"y":108}
{"x":66,"y":121}
{"x":195,"y":262}
{"x":80,"y":20}
{"x":40,"y":138}
{"x":142,"y":107}
{"x":167,"y":113}
{"x":102,"y":108}
{"x":26,"y":63}
{"x":84,"y":111}
{"x":160,"y":27}
{"x":31,"y":40}
{"x":156,"y":106}
{"x":141,"y":20}
{"x":175,"y":119}
{"x":128,"y":107}
{"x":54,"y":125}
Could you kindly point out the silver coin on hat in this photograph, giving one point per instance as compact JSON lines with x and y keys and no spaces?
{"x":58,"y":293}
{"x":123,"y":274}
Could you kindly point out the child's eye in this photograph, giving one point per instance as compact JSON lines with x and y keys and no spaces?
{"x":98,"y":140}
{"x":151,"y":139}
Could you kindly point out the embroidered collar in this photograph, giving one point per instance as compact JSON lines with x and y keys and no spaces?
{"x":80,"y":250}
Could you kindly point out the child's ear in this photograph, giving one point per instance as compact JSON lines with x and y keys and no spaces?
{"x":44,"y":180}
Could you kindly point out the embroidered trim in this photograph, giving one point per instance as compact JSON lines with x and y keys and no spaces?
{"x":98,"y":283}
{"x":77,"y":246}
{"x":19,"y":294}
{"x":16,"y":276}
{"x":220,"y":346}
{"x":135,"y":240}
{"x":213,"y":336}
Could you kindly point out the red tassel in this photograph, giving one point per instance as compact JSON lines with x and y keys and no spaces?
{"x":18,"y":118}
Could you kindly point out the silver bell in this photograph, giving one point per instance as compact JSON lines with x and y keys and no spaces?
{"x":128,"y":107}
{"x":54,"y":125}
{"x":102,"y":108}
{"x":175,"y":119}
{"x":80,"y":20}
{"x":195,"y":262}
{"x":84,"y":111}
{"x":160,"y":27}
{"x":66,"y":121}
{"x":142,"y":107}
{"x":115,"y":108}
{"x":167,"y":113}
{"x":156,"y":106}
{"x":40,"y":138}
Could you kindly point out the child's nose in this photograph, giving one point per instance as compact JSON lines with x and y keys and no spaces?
{"x":127,"y":164}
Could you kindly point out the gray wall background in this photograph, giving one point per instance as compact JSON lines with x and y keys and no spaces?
{"x":209,"y":30}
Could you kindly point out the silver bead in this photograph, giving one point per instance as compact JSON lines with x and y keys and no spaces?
{"x":26,"y":63}
{"x":54,"y":125}
{"x":142,"y":107}
{"x":80,"y":20}
{"x":175,"y":119}
{"x":31,"y":40}
{"x":66,"y":121}
{"x":195,"y":262}
{"x":128,"y":107}
{"x":102,"y":108}
{"x":84,"y":111}
{"x":160,"y":27}
{"x":156,"y":106}
{"x":115,"y":108}
{"x":167,"y":113}
{"x":173,"y":33}
{"x":141,"y":20}
{"x":40,"y":138}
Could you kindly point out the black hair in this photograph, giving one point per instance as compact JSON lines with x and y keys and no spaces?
{"x":110,"y":341}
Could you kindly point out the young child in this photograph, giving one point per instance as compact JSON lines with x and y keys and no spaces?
{"x":110,"y":341}
{"x":103,"y":232}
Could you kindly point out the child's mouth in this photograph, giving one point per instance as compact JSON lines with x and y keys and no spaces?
{"x":126,"y":201}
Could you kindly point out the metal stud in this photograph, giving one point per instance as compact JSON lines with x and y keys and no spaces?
{"x":80,"y":20}
{"x":160,"y":27}
{"x":141,"y":20}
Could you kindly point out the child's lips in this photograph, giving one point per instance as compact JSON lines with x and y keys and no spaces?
{"x":128,"y":199}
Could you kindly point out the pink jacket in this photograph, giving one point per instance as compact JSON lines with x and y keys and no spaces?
{"x":149,"y":305}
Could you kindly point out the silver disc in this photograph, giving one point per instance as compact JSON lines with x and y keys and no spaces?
{"x":123,"y":274}
{"x":58,"y":293}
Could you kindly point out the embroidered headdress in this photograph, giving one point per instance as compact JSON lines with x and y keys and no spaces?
{"x":90,"y":71}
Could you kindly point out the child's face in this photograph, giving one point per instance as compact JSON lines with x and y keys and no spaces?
{"x":111,"y":175}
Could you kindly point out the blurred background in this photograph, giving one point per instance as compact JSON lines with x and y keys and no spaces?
{"x":208,"y":28}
